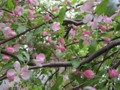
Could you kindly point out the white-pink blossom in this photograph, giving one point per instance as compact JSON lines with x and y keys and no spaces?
{"x":55,"y":26}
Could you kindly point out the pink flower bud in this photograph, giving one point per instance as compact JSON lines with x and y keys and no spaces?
{"x":10,"y":50}
{"x":56,"y":47}
{"x":50,"y":40}
{"x":47,"y":16}
{"x":17,"y":1}
{"x":68,"y":2}
{"x":6,"y":20}
{"x":102,"y":27}
{"x":62,"y":48}
{"x":44,"y":34}
{"x":107,"y":40}
{"x":86,"y":33}
{"x":5,"y":57}
{"x":62,"y":41}
{"x":113,"y":73}
{"x":89,"y":74}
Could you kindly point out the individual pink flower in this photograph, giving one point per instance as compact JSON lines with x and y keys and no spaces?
{"x":31,"y":14}
{"x":68,"y":2}
{"x":24,"y":73}
{"x":6,"y":20}
{"x":11,"y":74}
{"x":107,"y":40}
{"x":19,"y":10}
{"x":10,"y":50}
{"x":103,"y":28}
{"x":86,"y":33}
{"x":62,"y":41}
{"x":87,"y":18}
{"x":47,"y":16}
{"x":50,"y":40}
{"x":87,"y":39}
{"x":40,"y":59}
{"x":107,"y":20}
{"x":89,"y":74}
{"x":113,"y":73}
{"x":93,"y":24}
{"x":89,"y":88}
{"x":5,"y":57}
{"x":8,"y":32}
{"x":44,"y":34}
{"x":62,"y":48}
{"x":55,"y":26}
{"x":55,"y":8}
{"x":87,"y":7}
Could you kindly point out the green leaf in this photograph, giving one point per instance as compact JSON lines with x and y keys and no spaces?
{"x":26,"y":55}
{"x":20,"y":57}
{"x":10,"y":4}
{"x":57,"y":84}
{"x":102,"y":8}
{"x":21,"y":29}
{"x":61,"y":15}
{"x":29,"y":36}
{"x":75,"y":63}
{"x":93,"y":46}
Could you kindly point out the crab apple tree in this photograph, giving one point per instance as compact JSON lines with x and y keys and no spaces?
{"x":59,"y":45}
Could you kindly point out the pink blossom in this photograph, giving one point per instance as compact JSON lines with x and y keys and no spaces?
{"x":62,"y":48}
{"x":107,"y":20}
{"x":5,"y":57}
{"x":113,"y":73}
{"x":68,"y":2}
{"x":93,"y":24}
{"x":17,"y":1}
{"x":89,"y":74}
{"x":10,"y":50}
{"x":8,"y":32}
{"x":55,"y":26}
{"x":86,"y":33}
{"x":87,"y":18}
{"x":10,"y":14}
{"x":89,"y":88}
{"x":50,"y":40}
{"x":11,"y":74}
{"x":33,"y":2}
{"x":31,"y":14}
{"x":55,"y":8}
{"x":19,"y":10}
{"x":40,"y":59}
{"x":107,"y":40}
{"x":6,"y":20}
{"x":87,"y":7}
{"x":47,"y":16}
{"x":87,"y":39}
{"x":102,"y":28}
{"x":44,"y":34}
{"x":24,"y":73}
{"x":62,"y":41}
